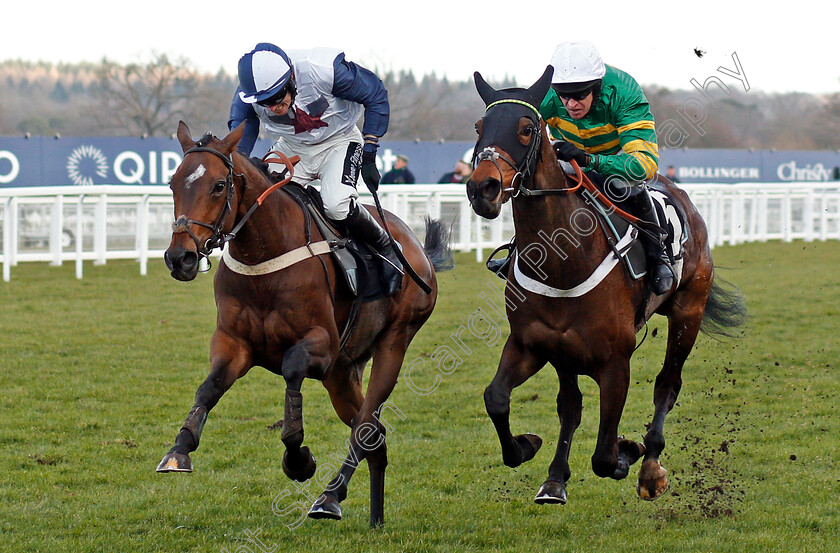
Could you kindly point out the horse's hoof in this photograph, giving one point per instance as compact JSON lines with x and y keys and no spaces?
{"x":175,"y":462}
{"x":630,"y":451}
{"x":326,"y":506}
{"x":653,"y":481}
{"x":528,"y":446}
{"x":303,"y":471}
{"x":551,"y":492}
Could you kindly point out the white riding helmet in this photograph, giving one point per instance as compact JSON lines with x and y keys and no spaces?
{"x":577,"y":66}
{"x":264,"y":72}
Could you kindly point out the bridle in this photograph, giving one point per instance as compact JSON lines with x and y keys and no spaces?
{"x":526,"y":166}
{"x":218,"y":238}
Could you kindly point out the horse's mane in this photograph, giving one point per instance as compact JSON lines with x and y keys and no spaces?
{"x":206,"y":139}
{"x":262,"y":168}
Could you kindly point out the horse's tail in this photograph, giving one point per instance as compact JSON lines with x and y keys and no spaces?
{"x":436,"y":245}
{"x":725,"y":309}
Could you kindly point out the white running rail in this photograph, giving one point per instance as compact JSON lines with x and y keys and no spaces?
{"x":57,"y":224}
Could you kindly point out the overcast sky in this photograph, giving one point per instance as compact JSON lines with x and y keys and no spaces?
{"x":779,"y":50}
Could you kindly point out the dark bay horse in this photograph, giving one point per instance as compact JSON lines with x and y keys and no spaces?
{"x":561,"y":314}
{"x":288,"y":320}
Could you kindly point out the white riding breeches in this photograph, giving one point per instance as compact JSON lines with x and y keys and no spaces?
{"x":334,"y":162}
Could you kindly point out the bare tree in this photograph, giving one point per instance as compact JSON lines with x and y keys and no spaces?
{"x":146,"y":99}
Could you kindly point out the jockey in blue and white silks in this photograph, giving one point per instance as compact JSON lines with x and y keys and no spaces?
{"x":310,"y":102}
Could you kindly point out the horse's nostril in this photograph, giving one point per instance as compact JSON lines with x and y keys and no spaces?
{"x":189,"y":260}
{"x":491,"y":188}
{"x":181,"y":260}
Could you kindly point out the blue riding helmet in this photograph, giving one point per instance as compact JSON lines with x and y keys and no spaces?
{"x":264,"y":72}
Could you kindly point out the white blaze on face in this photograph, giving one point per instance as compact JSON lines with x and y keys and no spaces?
{"x":197,"y":174}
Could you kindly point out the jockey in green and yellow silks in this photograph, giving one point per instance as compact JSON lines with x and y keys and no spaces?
{"x":618,"y":132}
{"x":601,"y":119}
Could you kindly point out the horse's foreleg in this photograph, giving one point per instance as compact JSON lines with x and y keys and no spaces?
{"x":309,"y":357}
{"x":515,"y":367}
{"x":367,"y":435}
{"x":569,"y":407}
{"x":229,"y":361}
{"x":682,"y":332}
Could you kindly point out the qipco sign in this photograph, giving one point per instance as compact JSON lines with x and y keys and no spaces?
{"x":143,"y":162}
{"x":87,"y":161}
{"x":155,"y":168}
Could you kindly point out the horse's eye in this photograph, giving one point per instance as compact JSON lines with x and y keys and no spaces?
{"x":528,"y":131}
{"x":220,"y":187}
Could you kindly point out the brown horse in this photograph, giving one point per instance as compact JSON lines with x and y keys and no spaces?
{"x":288,"y":320}
{"x":561,"y":314}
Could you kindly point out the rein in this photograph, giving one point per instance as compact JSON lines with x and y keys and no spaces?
{"x":279,"y":157}
{"x":581,"y":180}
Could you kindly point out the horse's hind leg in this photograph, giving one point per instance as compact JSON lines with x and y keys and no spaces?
{"x":515,"y":367}
{"x":367,"y":435}
{"x":229,"y":361}
{"x":683,"y":326}
{"x":613,"y":456}
{"x":569,"y":407}
{"x":308,"y":357}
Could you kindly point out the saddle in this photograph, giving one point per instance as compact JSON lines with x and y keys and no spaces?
{"x":616,"y":228}
{"x":354,"y":259}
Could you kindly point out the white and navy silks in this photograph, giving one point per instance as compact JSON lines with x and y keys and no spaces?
{"x":332,"y":95}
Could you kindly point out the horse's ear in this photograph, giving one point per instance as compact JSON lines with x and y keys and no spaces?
{"x":484,"y":90}
{"x":184,"y":136}
{"x":230,"y":142}
{"x":540,"y":88}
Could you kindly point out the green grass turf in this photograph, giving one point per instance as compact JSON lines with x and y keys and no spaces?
{"x":99,"y":373}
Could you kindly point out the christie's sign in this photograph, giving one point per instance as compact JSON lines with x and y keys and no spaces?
{"x":791,"y":171}
{"x":731,"y":166}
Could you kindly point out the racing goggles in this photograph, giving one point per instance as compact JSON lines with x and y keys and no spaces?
{"x":276,"y":99}
{"x":578,"y":95}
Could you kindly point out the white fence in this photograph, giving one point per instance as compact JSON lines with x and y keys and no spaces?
{"x":98,"y":223}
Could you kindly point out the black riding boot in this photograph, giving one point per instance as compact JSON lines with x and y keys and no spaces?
{"x":662,"y":275}
{"x":364,"y":227}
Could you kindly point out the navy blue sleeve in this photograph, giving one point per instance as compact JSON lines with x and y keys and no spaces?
{"x":239,"y":112}
{"x":357,"y":84}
